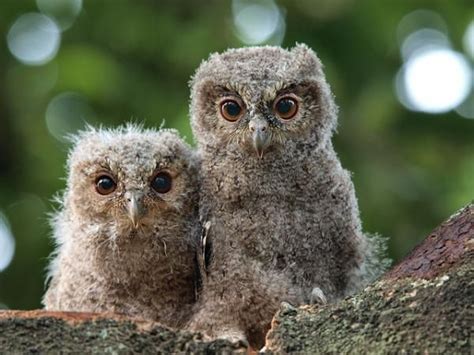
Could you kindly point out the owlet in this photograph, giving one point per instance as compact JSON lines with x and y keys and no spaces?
{"x":126,"y":230}
{"x":280,"y":212}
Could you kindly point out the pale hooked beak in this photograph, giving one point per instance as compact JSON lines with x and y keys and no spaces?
{"x":134,"y":206}
{"x":261,"y":136}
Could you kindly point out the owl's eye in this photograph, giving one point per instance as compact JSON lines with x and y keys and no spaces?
{"x":161,"y":183}
{"x":231,"y":110}
{"x":286,"y":107}
{"x":105,"y":185}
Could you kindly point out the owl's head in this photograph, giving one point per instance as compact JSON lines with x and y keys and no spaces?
{"x":262,"y":100}
{"x":130,"y":178}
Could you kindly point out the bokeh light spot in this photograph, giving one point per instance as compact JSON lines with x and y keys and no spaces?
{"x":64,"y":12}
{"x":468,"y":39}
{"x":436,"y":80}
{"x":419,"y":19}
{"x":400,"y":90}
{"x":258,"y":22}
{"x":7,"y":243}
{"x":66,"y":114}
{"x":34,"y":39}
{"x":425,"y":37}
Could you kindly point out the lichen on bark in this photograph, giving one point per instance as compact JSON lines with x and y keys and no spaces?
{"x":433,"y":316}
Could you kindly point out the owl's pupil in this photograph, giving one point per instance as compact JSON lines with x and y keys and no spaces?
{"x":161,"y":183}
{"x":232,"y":108}
{"x":105,"y":185}
{"x":285,"y":106}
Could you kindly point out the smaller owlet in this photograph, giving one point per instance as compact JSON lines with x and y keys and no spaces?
{"x":126,"y":230}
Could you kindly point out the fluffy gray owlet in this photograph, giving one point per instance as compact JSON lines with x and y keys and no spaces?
{"x":126,"y":230}
{"x":280,"y":210}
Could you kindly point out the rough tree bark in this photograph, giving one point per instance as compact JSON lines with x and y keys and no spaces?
{"x":422,"y":305}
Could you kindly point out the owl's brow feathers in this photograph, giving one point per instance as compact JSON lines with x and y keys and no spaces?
{"x":96,"y":166}
{"x":215,"y":92}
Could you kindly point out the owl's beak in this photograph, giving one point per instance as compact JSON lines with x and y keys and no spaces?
{"x":134,"y":206}
{"x":261,"y":136}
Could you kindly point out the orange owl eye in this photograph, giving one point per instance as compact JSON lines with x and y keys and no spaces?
{"x":231,"y":110}
{"x":105,"y":185}
{"x":286,"y":107}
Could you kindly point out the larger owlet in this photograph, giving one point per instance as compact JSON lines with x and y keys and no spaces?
{"x":281,"y":215}
{"x":126,"y":231}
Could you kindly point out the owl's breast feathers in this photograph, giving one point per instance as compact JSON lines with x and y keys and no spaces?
{"x":290,"y":217}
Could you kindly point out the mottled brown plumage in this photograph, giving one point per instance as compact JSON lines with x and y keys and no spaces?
{"x":281,"y":213}
{"x":132,"y":250}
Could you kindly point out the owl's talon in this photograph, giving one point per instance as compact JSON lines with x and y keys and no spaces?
{"x":235,"y":337}
{"x":317,"y":296}
{"x":286,"y":306}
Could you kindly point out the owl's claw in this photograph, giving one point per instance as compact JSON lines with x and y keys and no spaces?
{"x":317,"y":296}
{"x":234,"y":337}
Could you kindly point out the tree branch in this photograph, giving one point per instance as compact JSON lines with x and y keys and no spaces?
{"x":424,"y":304}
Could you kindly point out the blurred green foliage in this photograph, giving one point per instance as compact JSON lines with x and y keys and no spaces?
{"x":131,"y":60}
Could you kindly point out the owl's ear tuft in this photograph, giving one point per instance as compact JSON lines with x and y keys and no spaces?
{"x":306,"y":59}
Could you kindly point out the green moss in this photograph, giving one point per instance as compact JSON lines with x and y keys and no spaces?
{"x":423,"y":316}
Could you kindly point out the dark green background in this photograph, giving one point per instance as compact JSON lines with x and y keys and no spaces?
{"x":133,"y":59}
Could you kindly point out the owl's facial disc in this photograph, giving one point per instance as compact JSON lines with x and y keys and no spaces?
{"x":261,"y":135}
{"x":135,"y":206}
